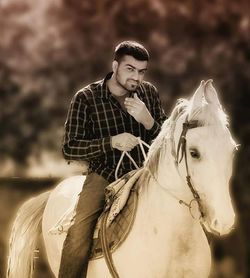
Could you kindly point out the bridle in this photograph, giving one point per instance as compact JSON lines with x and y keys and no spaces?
{"x":182,"y":152}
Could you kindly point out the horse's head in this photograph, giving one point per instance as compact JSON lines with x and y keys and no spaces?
{"x":204,"y":149}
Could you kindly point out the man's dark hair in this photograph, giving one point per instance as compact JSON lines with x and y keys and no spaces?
{"x":131,"y":48}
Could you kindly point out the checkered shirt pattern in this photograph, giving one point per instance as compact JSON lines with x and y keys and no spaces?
{"x":95,"y":116}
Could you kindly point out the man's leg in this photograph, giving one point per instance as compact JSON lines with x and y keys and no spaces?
{"x":77,"y":245}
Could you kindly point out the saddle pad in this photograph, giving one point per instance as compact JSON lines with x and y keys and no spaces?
{"x":119,"y":229}
{"x":117,"y":193}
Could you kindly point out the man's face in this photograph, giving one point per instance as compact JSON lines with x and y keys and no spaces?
{"x":129,"y":72}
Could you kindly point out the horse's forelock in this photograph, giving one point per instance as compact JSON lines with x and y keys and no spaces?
{"x":208,"y":115}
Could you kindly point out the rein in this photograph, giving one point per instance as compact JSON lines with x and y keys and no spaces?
{"x":141,"y":143}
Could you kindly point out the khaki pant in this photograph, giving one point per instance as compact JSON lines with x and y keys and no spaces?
{"x":78,"y":243}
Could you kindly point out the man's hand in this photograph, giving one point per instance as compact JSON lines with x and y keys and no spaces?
{"x":137,"y":108}
{"x":124,"y":141}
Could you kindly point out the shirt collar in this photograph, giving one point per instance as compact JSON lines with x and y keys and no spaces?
{"x":105,"y":93}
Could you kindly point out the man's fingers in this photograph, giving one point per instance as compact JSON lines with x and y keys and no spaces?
{"x":124,"y":141}
{"x":132,"y":141}
{"x":132,"y":137}
{"x":129,"y":147}
{"x":131,"y":105}
{"x":131,"y":111}
{"x":131,"y":101}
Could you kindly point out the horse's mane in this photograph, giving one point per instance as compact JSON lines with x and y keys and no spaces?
{"x":206,"y":115}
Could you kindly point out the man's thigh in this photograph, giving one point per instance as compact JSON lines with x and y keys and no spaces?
{"x":91,"y":199}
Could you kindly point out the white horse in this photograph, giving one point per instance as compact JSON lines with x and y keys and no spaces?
{"x":175,"y":197}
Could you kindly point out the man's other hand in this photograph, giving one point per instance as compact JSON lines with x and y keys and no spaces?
{"x":137,"y":108}
{"x":124,"y":141}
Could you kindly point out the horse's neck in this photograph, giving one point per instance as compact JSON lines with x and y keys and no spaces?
{"x":167,"y":176}
{"x":160,"y":206}
{"x":159,"y":200}
{"x":164,"y":228}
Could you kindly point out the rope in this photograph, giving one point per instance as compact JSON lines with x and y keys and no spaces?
{"x":103,"y":230}
{"x":180,"y":201}
{"x":104,"y":243}
{"x":141,"y":143}
{"x":181,"y":147}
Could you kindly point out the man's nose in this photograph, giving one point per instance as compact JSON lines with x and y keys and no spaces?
{"x":136,"y":75}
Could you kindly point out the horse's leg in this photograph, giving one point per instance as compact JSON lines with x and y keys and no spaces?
{"x":24,"y":234}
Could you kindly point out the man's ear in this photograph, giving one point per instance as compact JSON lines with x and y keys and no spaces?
{"x":114,"y":66}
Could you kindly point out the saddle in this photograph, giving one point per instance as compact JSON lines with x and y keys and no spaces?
{"x":119,"y":213}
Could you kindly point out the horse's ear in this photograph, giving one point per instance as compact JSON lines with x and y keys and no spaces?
{"x":196,"y":101}
{"x":210,"y":94}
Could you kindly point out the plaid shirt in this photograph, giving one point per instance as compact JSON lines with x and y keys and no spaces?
{"x":95,"y":116}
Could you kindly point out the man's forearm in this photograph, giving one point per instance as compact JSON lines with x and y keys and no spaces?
{"x":75,"y":149}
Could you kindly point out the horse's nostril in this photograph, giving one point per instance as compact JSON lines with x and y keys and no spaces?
{"x":215,"y":223}
{"x":216,"y":226}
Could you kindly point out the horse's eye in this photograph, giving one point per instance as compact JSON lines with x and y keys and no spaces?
{"x":194,"y":153}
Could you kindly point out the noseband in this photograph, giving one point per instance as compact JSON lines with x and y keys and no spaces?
{"x":182,"y":153}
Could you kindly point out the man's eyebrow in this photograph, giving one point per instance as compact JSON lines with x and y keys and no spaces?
{"x":135,"y":67}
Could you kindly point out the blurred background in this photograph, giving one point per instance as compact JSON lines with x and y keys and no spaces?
{"x":49,"y":49}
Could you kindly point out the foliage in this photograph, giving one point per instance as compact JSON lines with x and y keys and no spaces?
{"x":52,"y":48}
{"x":49,"y":49}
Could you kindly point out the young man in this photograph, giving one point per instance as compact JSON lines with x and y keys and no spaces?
{"x":104,"y":119}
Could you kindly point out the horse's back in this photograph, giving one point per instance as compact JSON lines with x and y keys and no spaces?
{"x":61,"y":201}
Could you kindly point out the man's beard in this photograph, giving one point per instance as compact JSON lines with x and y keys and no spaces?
{"x":127,"y":88}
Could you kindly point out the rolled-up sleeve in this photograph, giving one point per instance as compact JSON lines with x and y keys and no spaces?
{"x":78,"y":141}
